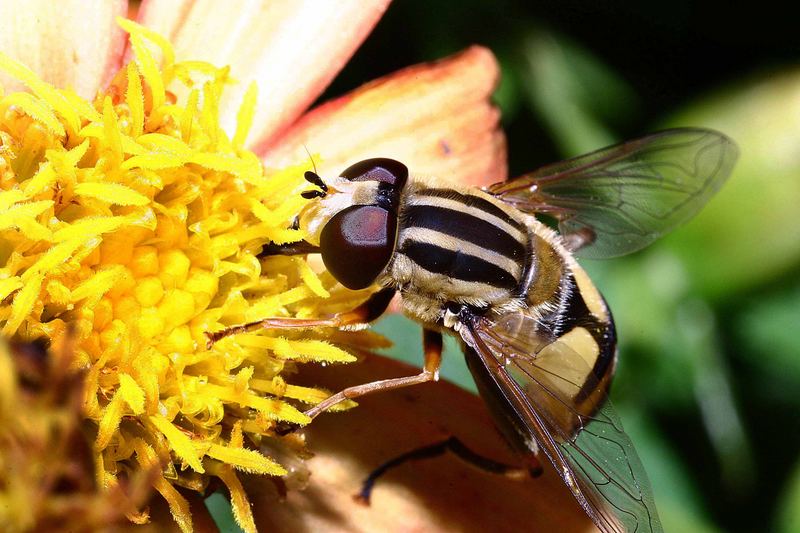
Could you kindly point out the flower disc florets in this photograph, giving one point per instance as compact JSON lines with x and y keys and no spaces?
{"x":130,"y":227}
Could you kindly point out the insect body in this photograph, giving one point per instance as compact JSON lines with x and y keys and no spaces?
{"x":538,"y":337}
{"x":451,"y":250}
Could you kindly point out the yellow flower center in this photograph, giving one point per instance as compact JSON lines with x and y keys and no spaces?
{"x":130,"y":227}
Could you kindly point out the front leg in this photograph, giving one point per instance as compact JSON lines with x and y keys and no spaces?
{"x":365,"y":313}
{"x":292,"y":248}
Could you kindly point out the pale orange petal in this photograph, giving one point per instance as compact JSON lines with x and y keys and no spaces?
{"x":439,"y":494}
{"x":435,"y":117}
{"x":291,"y":48}
{"x":70,"y":43}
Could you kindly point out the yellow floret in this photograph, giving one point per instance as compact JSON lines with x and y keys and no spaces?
{"x":144,"y":261}
{"x":126,"y":308}
{"x":149,"y":291}
{"x":124,"y":282}
{"x":179,"y":340}
{"x":103,"y":314}
{"x":150,"y":322}
{"x":173,"y":268}
{"x":203,"y":285}
{"x":177,"y":307}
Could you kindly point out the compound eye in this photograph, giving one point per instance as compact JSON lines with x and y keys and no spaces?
{"x":357,"y":243}
{"x":380,"y":169}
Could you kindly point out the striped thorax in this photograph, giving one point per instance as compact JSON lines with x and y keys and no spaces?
{"x":458,"y":246}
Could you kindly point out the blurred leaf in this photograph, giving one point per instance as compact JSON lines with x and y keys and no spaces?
{"x":220,"y":508}
{"x":677,"y":498}
{"x":788,"y":518}
{"x":721,"y":416}
{"x":749,"y":233}
{"x":507,"y":96}
{"x":678,"y":518}
{"x":766,"y":329}
{"x":574,"y":93}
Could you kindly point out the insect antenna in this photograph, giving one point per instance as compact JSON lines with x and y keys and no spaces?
{"x":312,"y":193}
{"x":314,"y":179}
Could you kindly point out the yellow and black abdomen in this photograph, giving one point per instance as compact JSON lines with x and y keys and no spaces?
{"x":585,"y":325}
{"x":570,"y":310}
{"x":460,"y":246}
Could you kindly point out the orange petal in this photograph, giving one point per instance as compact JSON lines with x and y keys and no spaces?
{"x":437,"y":494}
{"x":291,"y":48}
{"x":71,"y":43}
{"x":435,"y":117}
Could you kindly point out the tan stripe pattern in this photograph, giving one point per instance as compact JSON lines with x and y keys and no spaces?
{"x":458,"y":245}
{"x":455,"y":205}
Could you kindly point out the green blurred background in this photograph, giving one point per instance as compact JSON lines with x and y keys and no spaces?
{"x":708,"y":318}
{"x":709,"y":375}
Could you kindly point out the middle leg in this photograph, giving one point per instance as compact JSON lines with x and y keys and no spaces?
{"x":432,"y":347}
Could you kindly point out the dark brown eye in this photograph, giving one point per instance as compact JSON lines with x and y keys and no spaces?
{"x":380,"y":169}
{"x":357,"y":244}
{"x":391,"y":176}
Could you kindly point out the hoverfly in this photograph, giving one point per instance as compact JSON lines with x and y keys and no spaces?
{"x":538,"y":337}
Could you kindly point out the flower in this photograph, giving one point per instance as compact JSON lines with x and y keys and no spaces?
{"x":133,"y":207}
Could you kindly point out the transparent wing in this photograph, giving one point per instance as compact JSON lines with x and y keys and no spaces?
{"x":619,"y":199}
{"x":562,"y":407}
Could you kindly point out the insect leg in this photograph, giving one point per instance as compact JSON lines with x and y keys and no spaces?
{"x":460,"y":450}
{"x":432,"y":345}
{"x":292,"y":248}
{"x":363,"y":314}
